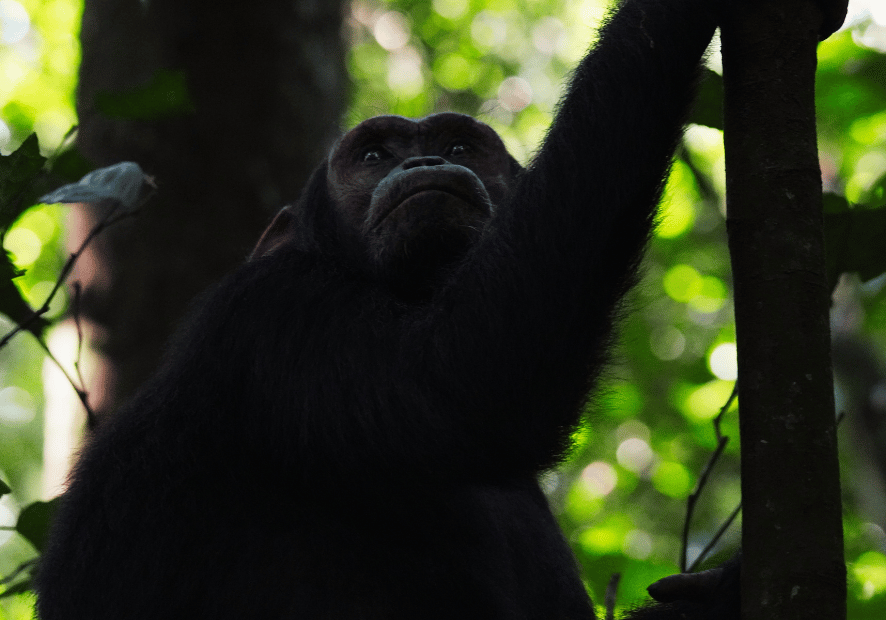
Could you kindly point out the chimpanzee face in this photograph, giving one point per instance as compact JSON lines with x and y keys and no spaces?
{"x":417,"y":194}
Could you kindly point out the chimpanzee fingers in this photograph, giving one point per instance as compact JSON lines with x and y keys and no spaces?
{"x":686,"y":586}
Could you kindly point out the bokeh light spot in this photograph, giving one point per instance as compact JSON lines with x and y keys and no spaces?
{"x":391,"y":30}
{"x":672,"y":479}
{"x":705,"y":402}
{"x":635,"y":455}
{"x":454,"y":72}
{"x":5,"y":134}
{"x":667,"y":342}
{"x":870,"y":572}
{"x":637,"y":544}
{"x":712,"y":296}
{"x":515,"y":93}
{"x":404,"y":72}
{"x":16,"y":406}
{"x":7,"y":517}
{"x":682,"y":283}
{"x":608,"y":536}
{"x":489,"y":30}
{"x":723,"y":361}
{"x":14,"y":22}
{"x":451,"y":9}
{"x":549,"y":36}
{"x":599,"y":478}
{"x":24,"y":244}
{"x":39,"y":293}
{"x":677,"y":216}
{"x":631,"y":429}
{"x":677,"y":206}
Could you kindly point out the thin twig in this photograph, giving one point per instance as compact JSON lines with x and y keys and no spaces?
{"x":84,"y":398}
{"x":108,"y":220}
{"x":719,"y":419}
{"x":692,"y":500}
{"x":701,"y":556}
{"x":80,"y":389}
{"x":66,"y":270}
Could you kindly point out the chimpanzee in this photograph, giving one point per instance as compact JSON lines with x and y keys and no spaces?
{"x":352,"y":424}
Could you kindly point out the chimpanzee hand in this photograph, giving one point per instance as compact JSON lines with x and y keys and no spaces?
{"x":710,"y":594}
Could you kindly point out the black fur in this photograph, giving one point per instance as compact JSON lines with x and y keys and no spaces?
{"x":319,"y":447}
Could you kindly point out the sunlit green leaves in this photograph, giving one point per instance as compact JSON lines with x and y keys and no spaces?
{"x":678,"y":203}
{"x":18,"y":173}
{"x":38,"y":67}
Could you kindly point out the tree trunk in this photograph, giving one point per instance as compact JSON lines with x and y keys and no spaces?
{"x":267,"y":86}
{"x":792,"y":534}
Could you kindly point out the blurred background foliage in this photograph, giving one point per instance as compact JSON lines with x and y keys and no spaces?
{"x":621,"y":497}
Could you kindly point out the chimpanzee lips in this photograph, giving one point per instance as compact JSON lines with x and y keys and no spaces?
{"x":419,"y":184}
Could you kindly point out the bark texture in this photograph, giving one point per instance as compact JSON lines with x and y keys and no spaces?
{"x":268,"y":86}
{"x":792,"y":535}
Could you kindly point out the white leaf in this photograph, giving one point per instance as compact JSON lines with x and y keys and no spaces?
{"x":124,"y":183}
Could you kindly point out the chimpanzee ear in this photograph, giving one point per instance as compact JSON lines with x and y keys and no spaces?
{"x":279,"y":233}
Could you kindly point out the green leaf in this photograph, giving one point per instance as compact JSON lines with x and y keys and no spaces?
{"x":34,"y":521}
{"x":12,"y":304}
{"x":854,"y":241}
{"x":18,"y":171}
{"x":165,"y":95}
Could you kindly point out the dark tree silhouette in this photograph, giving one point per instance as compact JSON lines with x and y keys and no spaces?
{"x":229,"y":109}
{"x":793,"y":563}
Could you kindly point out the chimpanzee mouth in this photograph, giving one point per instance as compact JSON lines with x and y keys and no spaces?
{"x":435,"y":184}
{"x":427,"y":191}
{"x":470,"y":195}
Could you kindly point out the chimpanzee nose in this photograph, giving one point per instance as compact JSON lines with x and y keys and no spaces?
{"x":424,"y":160}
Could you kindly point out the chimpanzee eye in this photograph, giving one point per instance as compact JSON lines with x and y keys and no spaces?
{"x":458,"y":148}
{"x":373,"y":154}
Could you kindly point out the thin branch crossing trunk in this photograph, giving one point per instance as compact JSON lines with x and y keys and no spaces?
{"x":793,"y":564}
